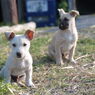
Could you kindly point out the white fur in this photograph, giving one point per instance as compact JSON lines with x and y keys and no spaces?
{"x":64,"y":41}
{"x":18,"y":66}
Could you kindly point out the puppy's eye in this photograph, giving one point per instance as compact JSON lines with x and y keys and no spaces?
{"x":14,"y":45}
{"x":24,"y":44}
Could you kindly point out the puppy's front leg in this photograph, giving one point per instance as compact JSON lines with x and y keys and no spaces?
{"x":7,"y":76}
{"x":71,"y":54}
{"x":58,"y":56}
{"x":29,"y":78}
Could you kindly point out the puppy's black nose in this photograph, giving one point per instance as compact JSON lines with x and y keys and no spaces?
{"x":18,"y":54}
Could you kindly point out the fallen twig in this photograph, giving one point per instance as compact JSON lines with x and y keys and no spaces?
{"x":82,"y":57}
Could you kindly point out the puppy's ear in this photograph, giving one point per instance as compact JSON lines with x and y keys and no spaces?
{"x":29,"y":34}
{"x":61,"y":12}
{"x":74,"y":13}
{"x":9,"y":35}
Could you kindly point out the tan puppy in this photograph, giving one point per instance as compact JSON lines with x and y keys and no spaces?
{"x":64,"y":41}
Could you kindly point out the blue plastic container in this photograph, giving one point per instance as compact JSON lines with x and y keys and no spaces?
{"x":43,"y":12}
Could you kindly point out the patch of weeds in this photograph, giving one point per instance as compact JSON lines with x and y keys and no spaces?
{"x":7,"y":89}
{"x":86,"y":45}
{"x":39,"y":47}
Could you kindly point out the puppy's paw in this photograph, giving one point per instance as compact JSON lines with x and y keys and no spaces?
{"x":73,"y":61}
{"x":30,"y":84}
{"x":60,"y":63}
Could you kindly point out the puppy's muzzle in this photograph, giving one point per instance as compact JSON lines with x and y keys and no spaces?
{"x":18,"y":54}
{"x":64,"y":24}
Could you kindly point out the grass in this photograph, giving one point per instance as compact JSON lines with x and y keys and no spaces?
{"x":51,"y":79}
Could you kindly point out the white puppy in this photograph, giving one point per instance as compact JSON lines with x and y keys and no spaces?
{"x":20,"y":61}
